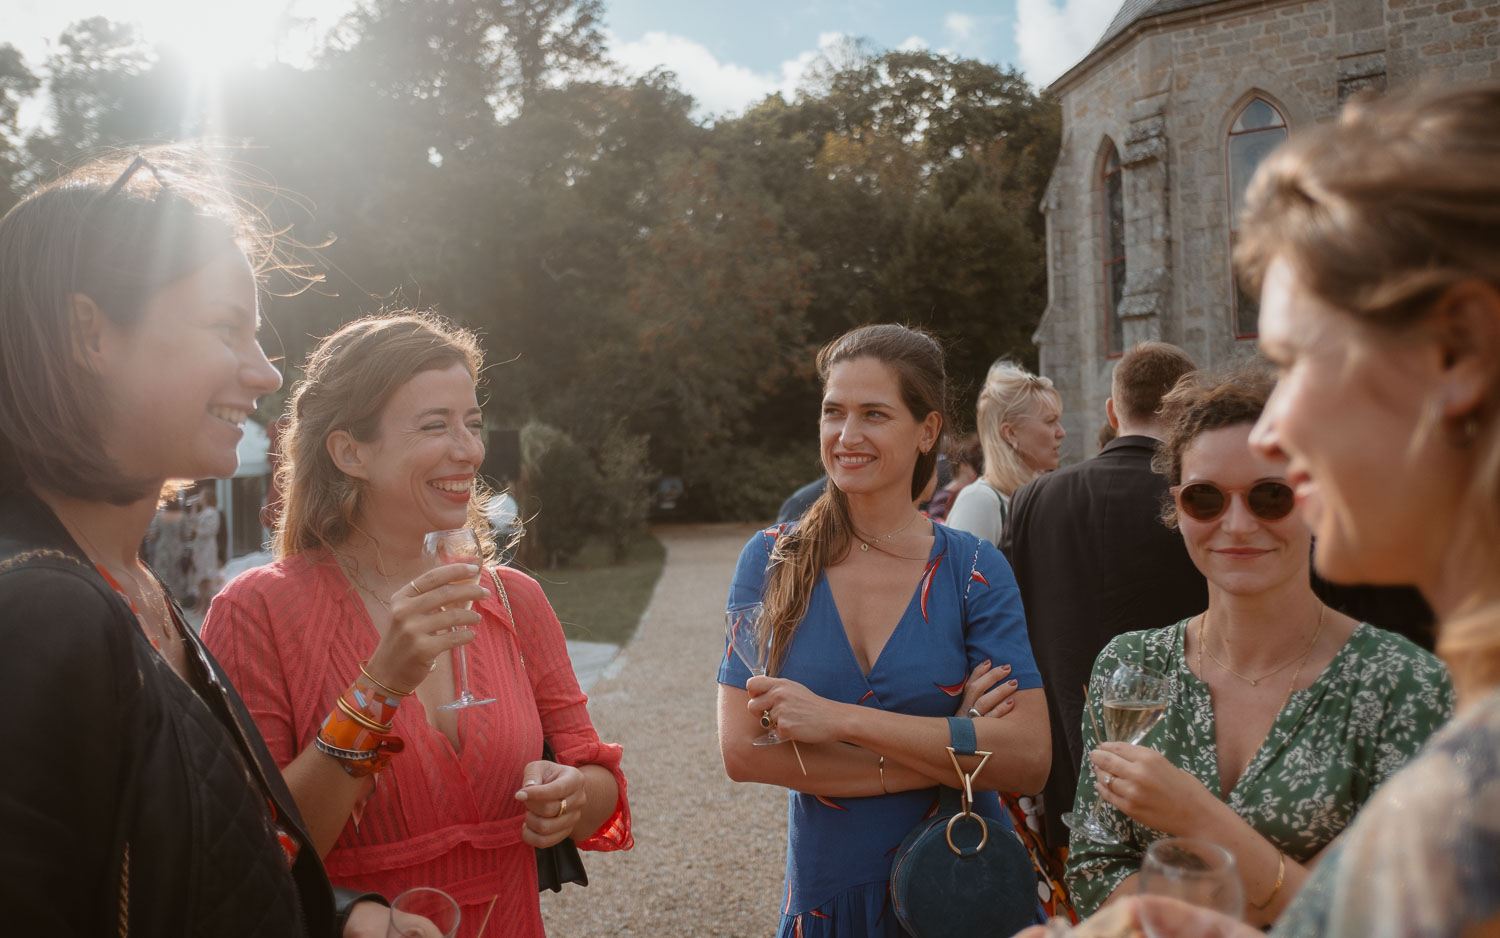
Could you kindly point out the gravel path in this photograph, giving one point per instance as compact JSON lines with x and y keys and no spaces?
{"x":709,"y":853}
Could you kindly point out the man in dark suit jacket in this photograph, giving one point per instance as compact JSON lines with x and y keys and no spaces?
{"x":1093,"y":559}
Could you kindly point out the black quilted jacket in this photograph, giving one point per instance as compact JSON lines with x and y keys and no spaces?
{"x":130,"y":801}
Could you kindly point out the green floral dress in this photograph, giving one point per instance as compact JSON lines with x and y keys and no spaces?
{"x":1336,"y":741}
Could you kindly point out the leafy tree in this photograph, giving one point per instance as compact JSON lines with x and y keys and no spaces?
{"x":16,"y":84}
{"x":86,"y":78}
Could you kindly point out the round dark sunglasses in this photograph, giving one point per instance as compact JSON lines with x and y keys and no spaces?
{"x":1204,"y":501}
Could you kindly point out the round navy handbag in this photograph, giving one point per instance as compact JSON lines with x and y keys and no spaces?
{"x":958,"y":873}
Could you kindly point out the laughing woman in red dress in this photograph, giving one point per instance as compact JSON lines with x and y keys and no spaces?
{"x":383,"y":446}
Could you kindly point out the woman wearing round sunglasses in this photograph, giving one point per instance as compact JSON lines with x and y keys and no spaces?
{"x":1282,"y":715}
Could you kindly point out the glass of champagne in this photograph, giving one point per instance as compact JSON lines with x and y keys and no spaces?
{"x":1179,"y":871}
{"x":460,"y":545}
{"x":746,"y":629}
{"x":1135,"y":697}
{"x":423,"y":912}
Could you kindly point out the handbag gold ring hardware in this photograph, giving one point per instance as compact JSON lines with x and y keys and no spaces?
{"x":984,"y":832}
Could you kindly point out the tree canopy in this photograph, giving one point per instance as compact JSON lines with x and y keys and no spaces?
{"x":651,"y":288}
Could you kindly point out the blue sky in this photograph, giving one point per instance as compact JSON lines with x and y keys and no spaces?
{"x":727,"y":55}
{"x":778,"y":30}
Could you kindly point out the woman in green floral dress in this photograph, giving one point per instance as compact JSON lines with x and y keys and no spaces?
{"x":1283,"y":716}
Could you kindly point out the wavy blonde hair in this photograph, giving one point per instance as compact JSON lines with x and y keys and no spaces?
{"x":348,"y":380}
{"x":1381,"y":213}
{"x":824,"y":535}
{"x":1010,"y":393}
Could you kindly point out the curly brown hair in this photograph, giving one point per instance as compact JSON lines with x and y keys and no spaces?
{"x":1200,"y":403}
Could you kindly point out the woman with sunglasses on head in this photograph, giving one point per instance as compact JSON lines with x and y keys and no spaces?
{"x":1282,"y":716}
{"x":137,"y":797}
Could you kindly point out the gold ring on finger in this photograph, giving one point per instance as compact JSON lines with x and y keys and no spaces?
{"x":562,"y":807}
{"x":765,"y":719}
{"x":416,"y":590}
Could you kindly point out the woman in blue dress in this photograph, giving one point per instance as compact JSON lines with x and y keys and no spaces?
{"x":882,"y":625}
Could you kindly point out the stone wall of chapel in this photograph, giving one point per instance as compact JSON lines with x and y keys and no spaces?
{"x":1167,"y":99}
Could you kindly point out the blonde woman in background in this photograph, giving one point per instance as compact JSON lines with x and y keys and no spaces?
{"x":1021,"y":433}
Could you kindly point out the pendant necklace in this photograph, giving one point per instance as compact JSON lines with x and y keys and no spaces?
{"x":1254,"y":681}
{"x":866,"y":545}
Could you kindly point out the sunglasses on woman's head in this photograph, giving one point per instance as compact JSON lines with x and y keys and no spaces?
{"x":1204,"y":501}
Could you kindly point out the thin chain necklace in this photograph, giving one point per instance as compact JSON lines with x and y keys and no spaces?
{"x":353,"y":574}
{"x":1253,"y":681}
{"x":158,"y":631}
{"x":1291,"y":687}
{"x":875,"y":542}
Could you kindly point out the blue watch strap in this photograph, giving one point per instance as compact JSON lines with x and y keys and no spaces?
{"x":961,"y":735}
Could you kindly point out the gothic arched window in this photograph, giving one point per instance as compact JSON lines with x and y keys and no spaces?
{"x":1112,"y":219}
{"x":1257,"y":131}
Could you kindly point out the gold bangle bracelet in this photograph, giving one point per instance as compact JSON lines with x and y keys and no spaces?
{"x":361,"y":719}
{"x":381,"y":684}
{"x":881,"y":766}
{"x":1280,"y":878}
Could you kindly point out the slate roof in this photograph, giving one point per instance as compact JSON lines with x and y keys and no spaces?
{"x":1132,"y":11}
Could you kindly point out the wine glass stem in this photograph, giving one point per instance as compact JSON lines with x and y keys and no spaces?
{"x":463,"y":672}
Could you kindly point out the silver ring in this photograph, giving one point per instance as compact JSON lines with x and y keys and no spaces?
{"x":1107,"y":779}
{"x":973,"y":712}
{"x":432,"y":667}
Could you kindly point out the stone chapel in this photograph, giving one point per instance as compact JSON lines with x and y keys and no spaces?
{"x":1164,"y":122}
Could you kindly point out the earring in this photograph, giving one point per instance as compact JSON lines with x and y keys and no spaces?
{"x":1469,"y":428}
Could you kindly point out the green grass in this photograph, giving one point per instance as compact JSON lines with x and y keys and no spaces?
{"x":600,"y":601}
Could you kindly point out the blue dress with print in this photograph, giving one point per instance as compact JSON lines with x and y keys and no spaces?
{"x":839,"y":850}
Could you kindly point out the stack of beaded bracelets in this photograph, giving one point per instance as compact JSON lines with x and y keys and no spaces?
{"x":357,"y":731}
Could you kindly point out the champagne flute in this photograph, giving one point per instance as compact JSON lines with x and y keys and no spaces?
{"x":1194,"y":872}
{"x":459,"y":545}
{"x":1135,"y":697}
{"x":746,"y":628}
{"x":423,"y":912}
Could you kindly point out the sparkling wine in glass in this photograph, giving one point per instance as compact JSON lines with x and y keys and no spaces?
{"x":460,"y":545}
{"x":1179,"y":871}
{"x":1135,"y":697}
{"x":748,"y":635}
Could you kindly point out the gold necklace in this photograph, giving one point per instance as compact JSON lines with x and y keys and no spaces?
{"x":1290,"y":688}
{"x":1253,"y":681}
{"x":866,"y":545}
{"x":353,"y":574}
{"x":157,"y":630}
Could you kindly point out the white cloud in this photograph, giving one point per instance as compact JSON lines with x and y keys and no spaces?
{"x":960,"y":27}
{"x":720,"y":88}
{"x":1051,"y":38}
{"x":912,"y":44}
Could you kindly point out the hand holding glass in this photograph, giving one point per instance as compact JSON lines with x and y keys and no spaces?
{"x":1135,"y":697}
{"x":460,"y":545}
{"x":748,"y":636}
{"x":1195,"y":872}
